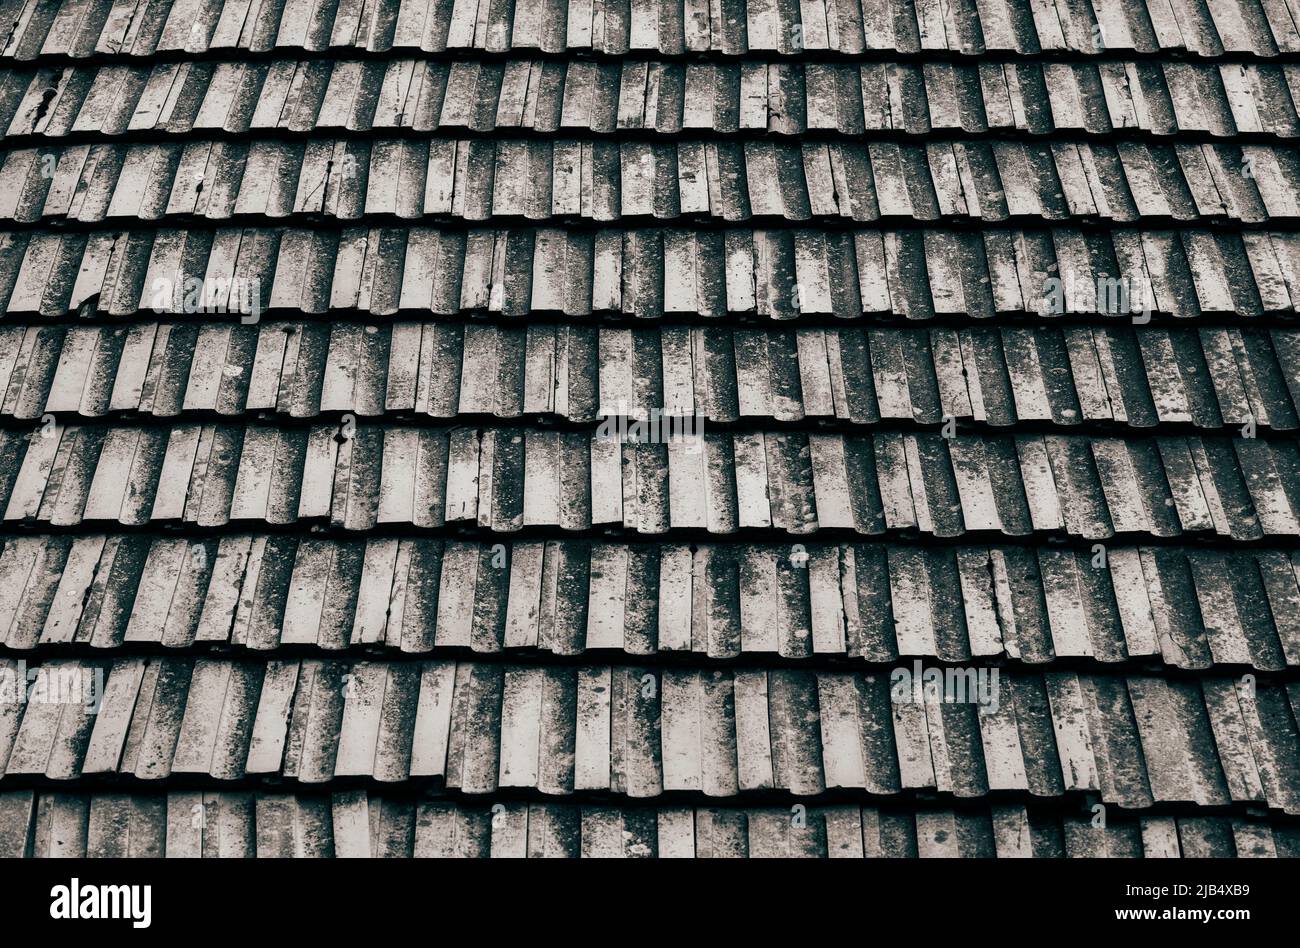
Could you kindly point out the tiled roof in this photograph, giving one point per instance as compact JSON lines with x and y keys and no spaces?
{"x":951,"y":274}
{"x":131,"y":28}
{"x":1187,"y":607}
{"x":1108,"y":379}
{"x":354,"y":823}
{"x":464,"y":427}
{"x":730,"y":483}
{"x":1135,"y":740}
{"x":555,"y":179}
{"x":818,"y":101}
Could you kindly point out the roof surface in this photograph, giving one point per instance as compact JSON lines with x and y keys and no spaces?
{"x":950,"y":338}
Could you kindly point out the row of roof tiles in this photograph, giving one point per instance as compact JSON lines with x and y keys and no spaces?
{"x":1135,"y":740}
{"x":782,"y":274}
{"x":1184,"y":607}
{"x":1067,"y":376}
{"x":358,"y":476}
{"x":357,"y":824}
{"x":730,"y":27}
{"x":665,"y":97}
{"x":604,"y":180}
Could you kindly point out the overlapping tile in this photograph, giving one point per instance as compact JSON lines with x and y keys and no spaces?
{"x":352,"y":824}
{"x":808,"y":602}
{"x":909,"y":274}
{"x":642,"y":182}
{"x":357,"y":476}
{"x":1132,"y":740}
{"x":1209,"y":378}
{"x":656,"y":97}
{"x":724,"y":27}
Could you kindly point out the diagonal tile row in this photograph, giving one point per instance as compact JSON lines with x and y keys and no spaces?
{"x":604,"y":180}
{"x":615,"y":27}
{"x":1120,"y":275}
{"x":1067,"y":376}
{"x":1135,"y":740}
{"x":356,"y":824}
{"x":667,"y":97}
{"x":1190,"y":608}
{"x":356,"y":477}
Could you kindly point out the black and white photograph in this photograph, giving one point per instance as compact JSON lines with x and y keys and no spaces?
{"x":655,"y":430}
